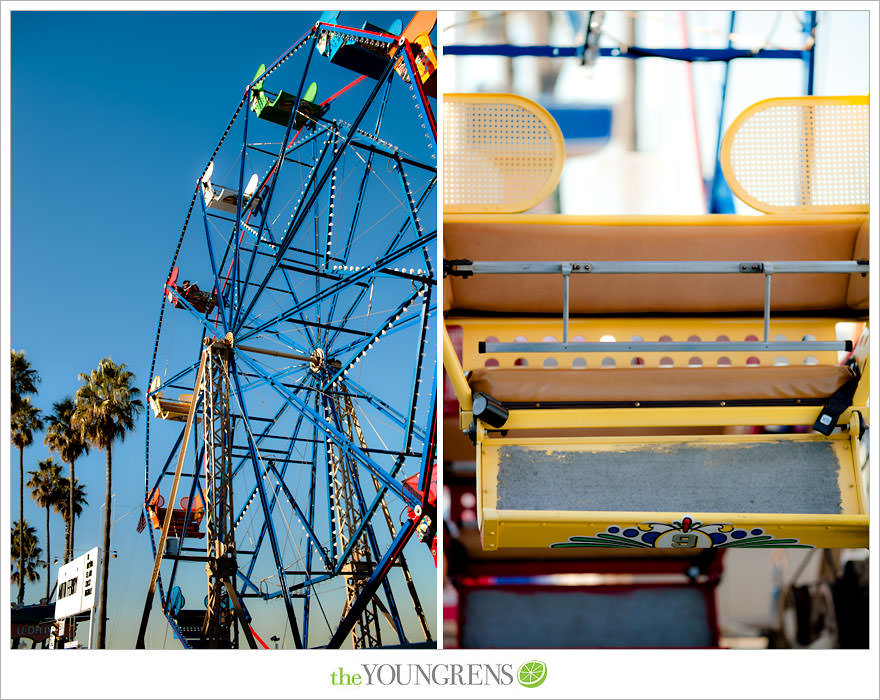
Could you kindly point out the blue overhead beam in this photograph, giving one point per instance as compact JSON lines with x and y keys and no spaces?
{"x":687,"y":54}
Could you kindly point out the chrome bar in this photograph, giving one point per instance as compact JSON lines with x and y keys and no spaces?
{"x":691,"y":346}
{"x":612,"y":267}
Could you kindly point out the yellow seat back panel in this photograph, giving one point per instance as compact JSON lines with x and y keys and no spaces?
{"x":501,"y":153}
{"x":800,"y":154}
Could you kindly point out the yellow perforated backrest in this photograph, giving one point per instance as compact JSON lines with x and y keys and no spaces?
{"x":501,"y":153}
{"x":800,"y":155}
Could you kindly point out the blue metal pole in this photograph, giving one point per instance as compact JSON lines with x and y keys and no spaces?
{"x":309,"y":201}
{"x":390,"y":246}
{"x":688,"y":54}
{"x":392,"y":413}
{"x":721,"y":198}
{"x":362,"y":189}
{"x":810,"y":30}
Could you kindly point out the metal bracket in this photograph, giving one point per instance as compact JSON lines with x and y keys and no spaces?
{"x":751,"y":267}
{"x":459,"y":267}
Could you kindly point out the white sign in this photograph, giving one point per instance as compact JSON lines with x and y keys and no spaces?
{"x":77,"y":585}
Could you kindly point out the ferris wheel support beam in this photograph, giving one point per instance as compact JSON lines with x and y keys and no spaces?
{"x":269,"y":425}
{"x":313,"y":477}
{"x":426,"y":455}
{"x":279,"y":253}
{"x":254,"y":252}
{"x":367,"y":521}
{"x":362,"y":346}
{"x":391,"y":154}
{"x":313,"y":538}
{"x":384,"y":566}
{"x":273,"y":539}
{"x":417,"y":372}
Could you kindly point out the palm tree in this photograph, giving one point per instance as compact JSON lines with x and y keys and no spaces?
{"x":23,"y":379}
{"x":106,"y":406}
{"x":70,"y":500}
{"x":23,"y":423}
{"x":63,"y":438}
{"x":45,"y":486}
{"x":27,"y":556}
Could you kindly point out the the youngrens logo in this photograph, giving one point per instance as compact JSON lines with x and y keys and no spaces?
{"x":530,"y":674}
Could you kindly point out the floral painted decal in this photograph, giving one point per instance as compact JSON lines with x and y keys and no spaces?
{"x":686,"y":533}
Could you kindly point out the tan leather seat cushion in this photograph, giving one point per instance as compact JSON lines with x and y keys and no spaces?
{"x":647,"y":384}
{"x":732,"y":238}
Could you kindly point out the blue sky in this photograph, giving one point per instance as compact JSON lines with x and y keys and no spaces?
{"x":114,"y":116}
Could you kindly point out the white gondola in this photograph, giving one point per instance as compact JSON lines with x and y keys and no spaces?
{"x":227,"y":200}
{"x":167,"y":409}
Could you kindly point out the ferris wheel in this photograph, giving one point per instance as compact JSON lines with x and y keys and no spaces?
{"x":291,"y":444}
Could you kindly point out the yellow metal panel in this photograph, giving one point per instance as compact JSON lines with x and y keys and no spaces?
{"x":800,"y":154}
{"x":543,"y":529}
{"x":670,"y":417}
{"x":501,"y":153}
{"x":504,"y":528}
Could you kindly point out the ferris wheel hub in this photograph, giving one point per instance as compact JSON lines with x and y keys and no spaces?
{"x":317,"y":360}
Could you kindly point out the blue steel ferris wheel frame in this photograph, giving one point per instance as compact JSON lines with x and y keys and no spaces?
{"x":236,"y":304}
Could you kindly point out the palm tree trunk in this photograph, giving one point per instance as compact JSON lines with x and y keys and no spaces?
{"x":105,"y":557}
{"x":71,"y":516}
{"x":48,"y":556}
{"x":21,"y":526}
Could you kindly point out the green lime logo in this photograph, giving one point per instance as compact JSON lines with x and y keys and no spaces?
{"x":531,"y":674}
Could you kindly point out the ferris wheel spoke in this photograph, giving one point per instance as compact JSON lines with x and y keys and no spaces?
{"x":384,"y":261}
{"x":359,"y":198}
{"x":339,"y":438}
{"x":396,"y":416}
{"x":363,"y":346}
{"x":313,"y":538}
{"x":388,"y":250}
{"x":309,"y":202}
{"x":417,"y":372}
